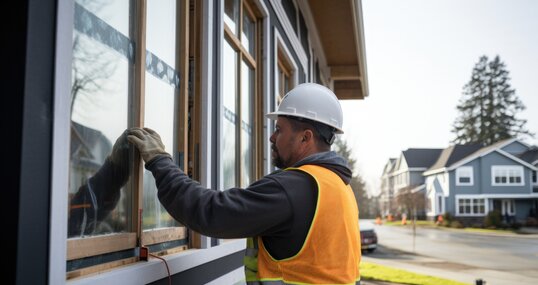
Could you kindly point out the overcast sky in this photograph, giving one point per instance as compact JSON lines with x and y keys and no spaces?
{"x":420,"y":54}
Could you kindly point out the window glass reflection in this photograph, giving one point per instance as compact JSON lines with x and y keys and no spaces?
{"x":99,"y":202}
{"x":247,"y":38}
{"x":113,"y":12}
{"x":159,"y":115}
{"x":231,"y":15}
{"x":247,"y":92}
{"x":228,"y":143}
{"x":161,"y":29}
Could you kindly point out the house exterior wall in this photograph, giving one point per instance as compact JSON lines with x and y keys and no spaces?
{"x":416,"y":178}
{"x":468,"y":189}
{"x":523,"y":209}
{"x":496,"y":159}
{"x":515,"y":148}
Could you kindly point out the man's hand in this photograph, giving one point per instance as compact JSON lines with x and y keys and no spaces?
{"x":147,"y":141}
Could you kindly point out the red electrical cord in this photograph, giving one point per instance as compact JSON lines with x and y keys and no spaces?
{"x":167,"y":269}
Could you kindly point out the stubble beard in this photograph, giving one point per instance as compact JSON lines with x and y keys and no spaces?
{"x":277,"y":160}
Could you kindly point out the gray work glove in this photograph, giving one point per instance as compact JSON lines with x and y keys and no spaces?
{"x":147,"y":141}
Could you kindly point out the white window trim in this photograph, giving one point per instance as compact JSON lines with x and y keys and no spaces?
{"x":459,"y":171}
{"x":507,"y":168}
{"x":471,"y":197}
{"x":439,"y":209}
{"x":534,"y":172}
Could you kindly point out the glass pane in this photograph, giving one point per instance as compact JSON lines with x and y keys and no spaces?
{"x":113,"y":12}
{"x":99,"y":202}
{"x":161,"y":30}
{"x":229,"y":121}
{"x":231,"y":15}
{"x":160,"y":98}
{"x":247,"y":93}
{"x":247,"y":38}
{"x":159,"y":115}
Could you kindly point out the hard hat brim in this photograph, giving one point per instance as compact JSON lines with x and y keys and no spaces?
{"x":274,"y":116}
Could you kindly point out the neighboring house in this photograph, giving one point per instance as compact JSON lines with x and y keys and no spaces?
{"x":470,"y":181}
{"x":202,"y":73}
{"x":406,"y":175}
{"x":386,"y":196}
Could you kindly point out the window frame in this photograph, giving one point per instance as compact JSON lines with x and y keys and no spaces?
{"x":77,"y":248}
{"x":460,"y":175}
{"x":507,"y":170}
{"x":254,"y":61}
{"x":283,"y":59}
{"x":471,"y":205}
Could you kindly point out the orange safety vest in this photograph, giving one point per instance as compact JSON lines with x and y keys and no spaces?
{"x":331,"y":252}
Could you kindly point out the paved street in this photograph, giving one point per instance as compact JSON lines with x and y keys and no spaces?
{"x":463,"y":256}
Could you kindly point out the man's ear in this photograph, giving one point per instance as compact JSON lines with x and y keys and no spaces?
{"x":307,"y":135}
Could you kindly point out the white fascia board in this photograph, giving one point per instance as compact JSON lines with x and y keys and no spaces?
{"x":417,"y":189}
{"x":434,"y":171}
{"x":408,"y":170}
{"x":535,"y":163}
{"x":473,"y":157}
{"x":288,"y":29}
{"x":360,"y":43}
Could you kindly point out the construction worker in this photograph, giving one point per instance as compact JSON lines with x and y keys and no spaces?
{"x":301,"y":221}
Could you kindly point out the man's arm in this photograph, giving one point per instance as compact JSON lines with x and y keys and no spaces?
{"x":261,"y":209}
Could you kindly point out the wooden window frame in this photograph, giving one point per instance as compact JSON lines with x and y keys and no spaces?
{"x":102,"y":244}
{"x":253,"y":61}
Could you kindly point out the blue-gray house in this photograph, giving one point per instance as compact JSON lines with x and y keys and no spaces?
{"x":468,"y":181}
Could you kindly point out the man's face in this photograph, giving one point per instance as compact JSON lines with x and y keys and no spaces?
{"x":285,"y":144}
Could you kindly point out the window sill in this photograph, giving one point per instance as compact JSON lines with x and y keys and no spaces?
{"x":154,"y":269}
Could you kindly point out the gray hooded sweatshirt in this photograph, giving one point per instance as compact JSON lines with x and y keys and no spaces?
{"x":279,"y":207}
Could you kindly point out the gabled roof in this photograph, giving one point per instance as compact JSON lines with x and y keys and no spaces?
{"x":421,"y":157}
{"x":489,"y":149}
{"x":530,"y":156}
{"x":389,"y":166}
{"x":453,"y":154}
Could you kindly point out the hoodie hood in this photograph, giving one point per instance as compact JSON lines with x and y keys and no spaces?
{"x":330,"y":160}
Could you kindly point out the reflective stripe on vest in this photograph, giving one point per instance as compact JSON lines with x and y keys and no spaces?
{"x":331,"y":252}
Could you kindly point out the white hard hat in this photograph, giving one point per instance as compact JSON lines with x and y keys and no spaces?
{"x":314,"y":102}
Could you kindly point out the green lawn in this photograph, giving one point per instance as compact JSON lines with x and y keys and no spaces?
{"x":371,"y":271}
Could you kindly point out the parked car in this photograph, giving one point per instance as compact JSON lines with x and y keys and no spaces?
{"x":368,"y":236}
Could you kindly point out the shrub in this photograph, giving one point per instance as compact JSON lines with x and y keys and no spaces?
{"x":493,"y":220}
{"x":456,"y":224}
{"x":531,"y":222}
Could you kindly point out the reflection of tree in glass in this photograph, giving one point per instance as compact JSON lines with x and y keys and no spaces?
{"x":89,"y":69}
{"x":98,"y":170}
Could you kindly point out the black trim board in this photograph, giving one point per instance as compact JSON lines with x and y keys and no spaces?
{"x":32,"y":261}
{"x":206,"y":272}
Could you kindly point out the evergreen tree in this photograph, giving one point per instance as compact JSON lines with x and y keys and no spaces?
{"x":357,"y":183}
{"x":489,"y":106}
